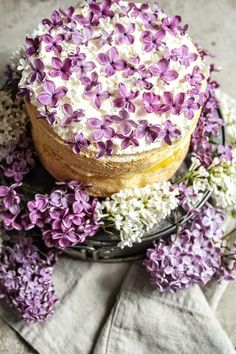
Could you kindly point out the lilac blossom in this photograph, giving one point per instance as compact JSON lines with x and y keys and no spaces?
{"x":149,"y":131}
{"x":128,"y":140}
{"x":196,"y":77}
{"x":54,"y":21}
{"x":50,"y":117}
{"x":106,"y":38}
{"x":68,"y":14}
{"x":162,"y":69}
{"x":51,"y":95}
{"x":53,"y":43}
{"x":183,"y":55}
{"x":26,"y":279}
{"x":18,"y":158}
{"x":172,"y":24}
{"x":61,"y":68}
{"x":102,"y":10}
{"x":102,"y":128}
{"x":37,"y":71}
{"x":111,"y":61}
{"x":105,"y":148}
{"x":194,"y":257}
{"x":10,"y":209}
{"x":125,"y":124}
{"x":79,"y":142}
{"x":33,"y":46}
{"x":71,"y":115}
{"x":77,"y":57}
{"x":151,"y":102}
{"x":149,"y":20}
{"x":97,"y":96}
{"x":189,"y":107}
{"x":173,"y":104}
{"x":142,"y":81}
{"x":70,"y":32}
{"x":91,"y":82}
{"x":186,"y":195}
{"x":126,"y":98}
{"x":153,"y":40}
{"x":170,"y":132}
{"x":84,"y":37}
{"x":82,"y":67}
{"x":225,"y":152}
{"x":124,"y":34}
{"x":138,"y":10}
{"x":88,"y":21}
{"x":66,"y":217}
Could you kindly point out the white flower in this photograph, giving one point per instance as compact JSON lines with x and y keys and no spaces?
{"x":133,"y":212}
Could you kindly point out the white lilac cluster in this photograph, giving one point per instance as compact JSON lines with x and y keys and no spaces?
{"x":220,"y":177}
{"x":12,"y":117}
{"x":133,"y":212}
{"x":228,"y":107}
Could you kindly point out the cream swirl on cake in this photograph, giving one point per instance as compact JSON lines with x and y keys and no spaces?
{"x":114,"y":79}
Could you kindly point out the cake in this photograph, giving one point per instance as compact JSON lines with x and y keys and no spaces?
{"x":114,"y":91}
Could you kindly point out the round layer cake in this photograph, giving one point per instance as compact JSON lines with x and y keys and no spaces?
{"x":114,"y":91}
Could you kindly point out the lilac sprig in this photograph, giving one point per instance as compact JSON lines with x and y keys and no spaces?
{"x":18,"y":158}
{"x":26,"y":279}
{"x":66,"y":216}
{"x":194,"y":256}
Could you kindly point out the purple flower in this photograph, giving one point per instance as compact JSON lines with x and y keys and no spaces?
{"x":212,"y":218}
{"x":128,"y":140}
{"x":49,"y":116}
{"x":149,"y":20}
{"x":66,"y":217}
{"x":26,"y":279}
{"x":53,"y":43}
{"x":144,"y":75}
{"x":153,"y":41}
{"x":173,"y":104}
{"x":37,"y":73}
{"x":151,"y":102}
{"x":70,"y":32}
{"x":186,"y":195}
{"x":79,"y":142}
{"x":54,"y":21}
{"x":126,"y":98}
{"x":89,"y":83}
{"x":77,"y":57}
{"x":225,"y":152}
{"x":102,"y":128}
{"x":51,"y":95}
{"x":125,"y":124}
{"x":105,"y":148}
{"x":68,"y":13}
{"x":189,"y":107}
{"x":88,"y":21}
{"x":151,"y":132}
{"x":10,"y":209}
{"x":124,"y":34}
{"x":84,"y":37}
{"x":61,"y":68}
{"x":138,"y":10}
{"x":70,"y":115}
{"x":172,"y":24}
{"x":194,"y":257}
{"x":97,"y":96}
{"x":161,"y":69}
{"x":82,"y":67}
{"x":183,"y":55}
{"x":33,"y":46}
{"x":102,"y":10}
{"x":106,"y":38}
{"x":170,"y":132}
{"x":111,"y":61}
{"x":196,"y":77}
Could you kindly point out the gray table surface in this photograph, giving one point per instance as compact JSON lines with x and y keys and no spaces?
{"x":212,"y":24}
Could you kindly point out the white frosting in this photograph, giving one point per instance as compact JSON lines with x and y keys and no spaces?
{"x":75,"y":89}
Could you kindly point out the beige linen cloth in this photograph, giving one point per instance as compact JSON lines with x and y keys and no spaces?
{"x":112,"y":309}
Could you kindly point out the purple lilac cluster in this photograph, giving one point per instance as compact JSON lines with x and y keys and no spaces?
{"x":194,"y":256}
{"x":26,"y":279}
{"x":18,"y":158}
{"x":65,"y":217}
{"x":10,"y":207}
{"x":209,"y":126}
{"x":70,"y":27}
